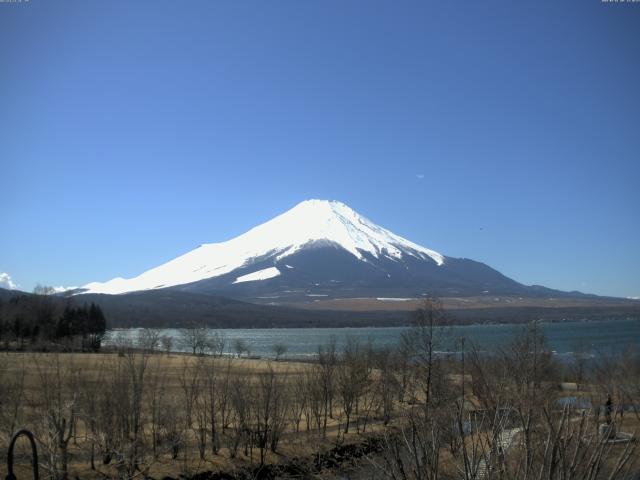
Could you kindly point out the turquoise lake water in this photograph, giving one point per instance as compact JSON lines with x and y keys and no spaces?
{"x":594,"y":336}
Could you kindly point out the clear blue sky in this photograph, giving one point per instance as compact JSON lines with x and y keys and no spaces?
{"x":508,"y":132}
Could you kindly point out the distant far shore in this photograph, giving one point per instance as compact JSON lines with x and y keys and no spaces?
{"x":382,"y":319}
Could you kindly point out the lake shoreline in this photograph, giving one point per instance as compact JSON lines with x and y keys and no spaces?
{"x":563,"y":337}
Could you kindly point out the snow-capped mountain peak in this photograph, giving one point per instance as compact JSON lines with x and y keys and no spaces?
{"x":332,"y":221}
{"x":312,"y":222}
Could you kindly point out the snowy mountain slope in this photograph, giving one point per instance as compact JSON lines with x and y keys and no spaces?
{"x":320,"y":250}
{"x":312,"y":224}
{"x":324,"y":271}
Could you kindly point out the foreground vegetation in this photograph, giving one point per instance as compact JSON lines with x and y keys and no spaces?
{"x":138,"y":411}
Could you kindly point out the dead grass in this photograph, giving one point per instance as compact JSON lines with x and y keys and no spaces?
{"x":173,"y":367}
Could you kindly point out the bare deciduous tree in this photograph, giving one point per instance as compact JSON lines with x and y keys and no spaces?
{"x":240,"y":346}
{"x":279,"y":349}
{"x":167,"y":343}
{"x":58,"y":403}
{"x":12,"y":397}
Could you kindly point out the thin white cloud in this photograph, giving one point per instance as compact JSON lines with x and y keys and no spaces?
{"x":6,"y":282}
{"x":420,"y":176}
{"x":63,"y":289}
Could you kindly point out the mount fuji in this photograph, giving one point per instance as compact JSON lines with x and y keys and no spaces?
{"x":319,"y":250}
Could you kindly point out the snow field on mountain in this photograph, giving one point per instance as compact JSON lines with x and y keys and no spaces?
{"x":312,"y":222}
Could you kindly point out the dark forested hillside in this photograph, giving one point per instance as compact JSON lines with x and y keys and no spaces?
{"x":45,"y":320}
{"x":52,"y":317}
{"x":172,"y":308}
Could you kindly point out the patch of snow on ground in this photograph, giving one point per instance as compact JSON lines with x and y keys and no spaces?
{"x":259,"y":275}
{"x":385,"y":299}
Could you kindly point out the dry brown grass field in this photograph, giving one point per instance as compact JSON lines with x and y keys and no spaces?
{"x":83,"y":381}
{"x":140,"y":413}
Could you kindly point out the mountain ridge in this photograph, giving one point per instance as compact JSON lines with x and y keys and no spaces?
{"x":320,"y":249}
{"x":309,"y":223}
